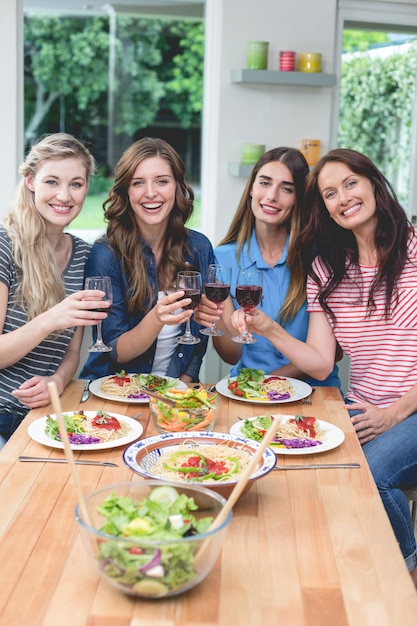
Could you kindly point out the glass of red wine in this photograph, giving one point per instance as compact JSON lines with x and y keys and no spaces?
{"x":190,"y":282}
{"x":248,"y":295}
{"x":216,"y":288}
{"x":101,"y":283}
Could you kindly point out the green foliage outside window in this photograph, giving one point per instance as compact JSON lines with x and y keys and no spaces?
{"x":376,"y":111}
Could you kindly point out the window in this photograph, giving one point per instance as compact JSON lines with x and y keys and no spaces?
{"x":376,"y":112}
{"x":110,"y":78}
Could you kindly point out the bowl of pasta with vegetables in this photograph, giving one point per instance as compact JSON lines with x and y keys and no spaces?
{"x":211,"y":459}
{"x":151,"y":539}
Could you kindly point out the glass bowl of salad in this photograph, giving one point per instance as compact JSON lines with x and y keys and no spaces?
{"x":152,"y":539}
{"x":186,"y":410}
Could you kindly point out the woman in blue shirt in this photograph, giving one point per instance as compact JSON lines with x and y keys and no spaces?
{"x":146,"y":245}
{"x":262,"y":235}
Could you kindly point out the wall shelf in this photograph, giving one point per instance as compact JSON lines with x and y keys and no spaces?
{"x":275,"y":77}
{"x":242,"y":170}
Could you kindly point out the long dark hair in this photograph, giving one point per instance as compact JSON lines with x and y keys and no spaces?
{"x":337,"y":246}
{"x":123,"y":232}
{"x":242,"y":225}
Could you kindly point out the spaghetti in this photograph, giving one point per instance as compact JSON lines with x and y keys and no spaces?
{"x":129,"y":388}
{"x":124,"y":385}
{"x":101,"y":428}
{"x":281,"y":386}
{"x":202,"y":463}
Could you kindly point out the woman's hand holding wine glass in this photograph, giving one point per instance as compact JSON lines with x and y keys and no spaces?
{"x":217,"y":288}
{"x":189,"y":282}
{"x":248,"y":295}
{"x":100,"y":283}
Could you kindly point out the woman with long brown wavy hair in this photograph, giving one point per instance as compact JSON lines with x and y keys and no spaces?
{"x":360,"y":252}
{"x":263,"y":235}
{"x":146,"y":245}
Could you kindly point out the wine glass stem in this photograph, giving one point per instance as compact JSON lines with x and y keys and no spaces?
{"x":188,"y":328}
{"x":99,"y":335}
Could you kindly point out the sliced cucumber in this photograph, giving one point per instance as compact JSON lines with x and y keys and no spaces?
{"x":164,"y":494}
{"x":150,"y":588}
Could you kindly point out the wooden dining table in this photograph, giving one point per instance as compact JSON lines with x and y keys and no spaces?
{"x":309,"y":547}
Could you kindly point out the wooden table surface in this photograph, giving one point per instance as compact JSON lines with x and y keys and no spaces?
{"x":304,"y":548}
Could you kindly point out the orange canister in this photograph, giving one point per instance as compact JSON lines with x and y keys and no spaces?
{"x":309,"y":62}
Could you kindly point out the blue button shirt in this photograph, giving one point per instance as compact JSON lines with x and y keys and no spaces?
{"x":276,"y":280}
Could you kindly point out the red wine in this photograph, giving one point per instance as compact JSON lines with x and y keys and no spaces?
{"x":216,"y":292}
{"x":248,"y":296}
{"x":103,"y":310}
{"x":195,"y":296}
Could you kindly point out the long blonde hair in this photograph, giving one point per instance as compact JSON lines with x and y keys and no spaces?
{"x":123,"y":232}
{"x":243,"y":223}
{"x":40,"y":280}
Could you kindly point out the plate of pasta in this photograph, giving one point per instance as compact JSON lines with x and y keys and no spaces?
{"x":123,"y":387}
{"x":254,"y":386}
{"x":296,"y":434}
{"x":87,"y":430}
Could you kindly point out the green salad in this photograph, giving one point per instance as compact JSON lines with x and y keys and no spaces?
{"x":157,"y":569}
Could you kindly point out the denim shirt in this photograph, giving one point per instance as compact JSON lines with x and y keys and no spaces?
{"x":186,"y":359}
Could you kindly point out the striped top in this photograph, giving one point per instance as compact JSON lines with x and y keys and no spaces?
{"x":47,"y":356}
{"x":383,"y":352}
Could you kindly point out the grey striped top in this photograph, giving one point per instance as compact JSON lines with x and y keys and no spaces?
{"x":47,"y":356}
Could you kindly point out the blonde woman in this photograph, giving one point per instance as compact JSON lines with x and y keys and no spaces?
{"x":42,"y":305}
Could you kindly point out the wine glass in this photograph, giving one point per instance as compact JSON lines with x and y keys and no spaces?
{"x":217,"y":288}
{"x":248,"y":295}
{"x":101,"y":283}
{"x":190,"y":282}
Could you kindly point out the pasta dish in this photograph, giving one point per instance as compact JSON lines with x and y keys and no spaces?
{"x":202,"y":463}
{"x":295,"y":432}
{"x":125,"y":385}
{"x":81,"y":429}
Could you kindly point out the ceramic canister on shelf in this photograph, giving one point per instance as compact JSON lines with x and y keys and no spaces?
{"x":311,"y":150}
{"x":257,"y":55}
{"x":309,"y":62}
{"x":252,"y":152}
{"x":287,"y":61}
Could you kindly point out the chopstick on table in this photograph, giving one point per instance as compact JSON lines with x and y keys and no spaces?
{"x":53,"y":392}
{"x":240,"y":485}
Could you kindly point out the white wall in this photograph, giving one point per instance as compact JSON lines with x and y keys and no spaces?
{"x":266,"y":114}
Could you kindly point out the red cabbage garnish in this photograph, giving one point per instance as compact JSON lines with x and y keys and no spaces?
{"x":78,"y":439}
{"x":275,"y":395}
{"x":298,"y":443}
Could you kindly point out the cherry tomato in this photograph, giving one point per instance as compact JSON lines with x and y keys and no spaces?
{"x":135,"y":550}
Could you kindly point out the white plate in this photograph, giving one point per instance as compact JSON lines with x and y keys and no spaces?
{"x":95,"y":388}
{"x":332,"y":439}
{"x":302,"y":390}
{"x":36,"y":431}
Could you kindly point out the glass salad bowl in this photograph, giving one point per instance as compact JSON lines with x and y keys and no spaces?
{"x":151,"y":539}
{"x":187,"y":410}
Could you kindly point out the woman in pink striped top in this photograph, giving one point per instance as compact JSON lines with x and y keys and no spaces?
{"x":360,"y":252}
